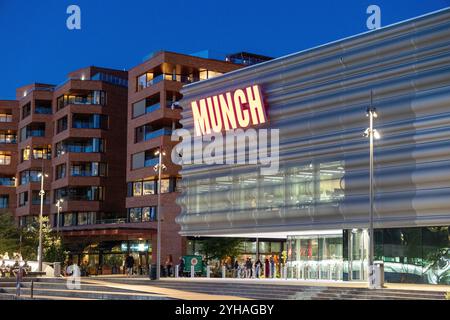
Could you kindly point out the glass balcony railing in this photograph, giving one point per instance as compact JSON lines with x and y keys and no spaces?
{"x":151,"y":162}
{"x":157,"y":133}
{"x":7,"y":182}
{"x":42,"y":110}
{"x":152,"y":107}
{"x":169,"y":77}
{"x":35,"y":133}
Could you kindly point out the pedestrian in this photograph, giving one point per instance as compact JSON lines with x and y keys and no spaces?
{"x":258,"y":266}
{"x":248,"y":268}
{"x":272,"y":266}
{"x":169,"y":264}
{"x":266,"y":268}
{"x":235,"y":268}
{"x":129,"y":263}
{"x":181,"y":267}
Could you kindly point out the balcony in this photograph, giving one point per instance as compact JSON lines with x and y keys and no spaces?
{"x":157,"y":133}
{"x":7,"y":182}
{"x":93,"y":145}
{"x":143,"y":82}
{"x":42,"y":110}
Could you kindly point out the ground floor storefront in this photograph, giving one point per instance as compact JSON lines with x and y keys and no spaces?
{"x":418,"y":255}
{"x":410,"y":255}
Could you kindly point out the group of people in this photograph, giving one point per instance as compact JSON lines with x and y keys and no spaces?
{"x":13,"y":269}
{"x":248,"y":269}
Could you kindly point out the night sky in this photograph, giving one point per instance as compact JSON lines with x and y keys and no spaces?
{"x":36,"y":45}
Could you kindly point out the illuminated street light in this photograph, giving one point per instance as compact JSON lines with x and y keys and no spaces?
{"x":41,"y":193}
{"x":372,"y":134}
{"x":159,"y":167}
{"x":58,"y":207}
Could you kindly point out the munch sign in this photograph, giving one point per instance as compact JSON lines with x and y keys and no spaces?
{"x":240,"y":108}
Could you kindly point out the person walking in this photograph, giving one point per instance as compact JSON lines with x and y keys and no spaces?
{"x":129,"y":264}
{"x":169,"y":263}
{"x":258,"y":266}
{"x":248,"y":268}
{"x":272,"y":266}
{"x":181,"y":267}
{"x":266,"y":268}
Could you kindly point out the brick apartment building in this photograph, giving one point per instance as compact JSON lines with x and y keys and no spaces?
{"x":95,"y":137}
{"x":8,"y":154}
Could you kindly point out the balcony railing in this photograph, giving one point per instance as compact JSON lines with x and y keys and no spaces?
{"x":157,"y":133}
{"x":8,"y":182}
{"x":151,"y":162}
{"x":42,"y":110}
{"x":168,"y":77}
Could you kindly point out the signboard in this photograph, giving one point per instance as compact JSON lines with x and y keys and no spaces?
{"x":240,"y":108}
{"x":195,"y":261}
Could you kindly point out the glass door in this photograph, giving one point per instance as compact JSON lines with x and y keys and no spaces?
{"x":358,"y":255}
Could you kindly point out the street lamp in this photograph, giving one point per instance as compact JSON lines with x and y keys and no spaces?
{"x":58,"y":207}
{"x":159,"y":167}
{"x":372,"y":134}
{"x":41,"y":193}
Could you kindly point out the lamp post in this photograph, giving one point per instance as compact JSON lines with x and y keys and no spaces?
{"x":159,"y":167}
{"x":42,"y":175}
{"x":372,"y":134}
{"x":58,"y":207}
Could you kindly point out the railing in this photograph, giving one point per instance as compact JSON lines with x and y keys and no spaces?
{"x":8,"y":140}
{"x":151,"y":162}
{"x":7,"y":182}
{"x":157,"y":133}
{"x":35,"y":133}
{"x":152,"y":107}
{"x":42,"y":110}
{"x":169,"y":77}
{"x":111,"y":79}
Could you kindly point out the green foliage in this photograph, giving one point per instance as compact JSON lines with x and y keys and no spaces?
{"x":9,"y":234}
{"x":53,"y":248}
{"x":221,"y":248}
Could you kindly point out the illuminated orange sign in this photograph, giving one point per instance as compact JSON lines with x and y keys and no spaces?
{"x":240,"y":108}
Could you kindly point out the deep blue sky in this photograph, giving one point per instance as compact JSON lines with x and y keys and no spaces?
{"x":36,"y":46}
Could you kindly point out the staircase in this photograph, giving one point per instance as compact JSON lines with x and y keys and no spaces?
{"x":56,"y":289}
{"x":265,"y":291}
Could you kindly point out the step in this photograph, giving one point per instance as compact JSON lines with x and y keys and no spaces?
{"x":104,"y":295}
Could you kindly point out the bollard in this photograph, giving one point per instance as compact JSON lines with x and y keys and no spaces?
{"x":208,"y":271}
{"x":192,"y":271}
{"x":177,"y":271}
{"x":32,"y":289}
{"x":224,"y":270}
{"x":57,"y":269}
{"x":285,"y":272}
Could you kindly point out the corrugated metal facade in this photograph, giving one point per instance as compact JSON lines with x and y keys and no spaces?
{"x":318,"y":99}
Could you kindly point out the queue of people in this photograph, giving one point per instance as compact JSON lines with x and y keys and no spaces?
{"x":270,"y":268}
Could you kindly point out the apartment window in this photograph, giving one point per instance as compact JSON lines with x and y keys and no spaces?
{"x":92,"y":97}
{"x":144,"y":80}
{"x":143,"y":214}
{"x":165,"y":185}
{"x":85,"y":218}
{"x":92,"y":193}
{"x":5,"y":158}
{"x":43,"y":107}
{"x":23,"y":199}
{"x":61,"y":124}
{"x":80,"y":146}
{"x":36,"y":198}
{"x":28,"y":176}
{"x":26,"y":110}
{"x":32,"y":130}
{"x":5,"y":117}
{"x":7,"y":181}
{"x":208,"y":74}
{"x":4,"y":201}
{"x":88,"y":169}
{"x":147,"y":105}
{"x":60,"y":171}
{"x":68,"y":219}
{"x":8,"y":137}
{"x":38,"y":153}
{"x":90,"y":121}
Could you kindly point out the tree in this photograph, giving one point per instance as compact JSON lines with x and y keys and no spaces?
{"x":221,"y":248}
{"x":52,"y":246}
{"x":9,"y":234}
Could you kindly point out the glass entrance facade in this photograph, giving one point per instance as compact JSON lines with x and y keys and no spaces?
{"x":315,"y":257}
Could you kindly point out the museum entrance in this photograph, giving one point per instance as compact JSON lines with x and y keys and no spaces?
{"x":315,"y":257}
